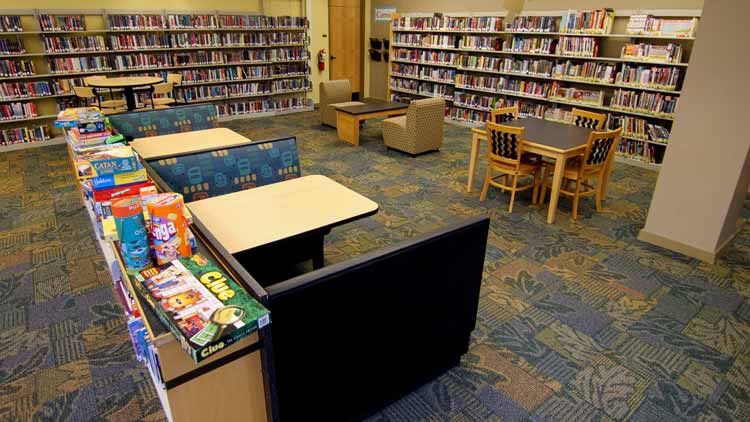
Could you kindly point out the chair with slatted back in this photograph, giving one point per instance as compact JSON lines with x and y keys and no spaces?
{"x":88,"y":93}
{"x":504,"y":114}
{"x":158,"y":97}
{"x":592,"y":165}
{"x":588,"y":119}
{"x":505,"y":155}
{"x":112,"y":102}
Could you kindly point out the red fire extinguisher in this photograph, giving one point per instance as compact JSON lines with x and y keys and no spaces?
{"x":322,"y":60}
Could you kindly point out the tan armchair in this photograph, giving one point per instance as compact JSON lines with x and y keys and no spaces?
{"x":420,"y":130}
{"x":334,"y":93}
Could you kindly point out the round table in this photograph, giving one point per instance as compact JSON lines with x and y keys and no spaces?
{"x":127,"y":83}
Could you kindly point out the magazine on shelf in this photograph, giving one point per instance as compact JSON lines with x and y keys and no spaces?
{"x":201,"y":305}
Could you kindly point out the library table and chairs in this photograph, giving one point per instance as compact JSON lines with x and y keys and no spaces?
{"x":107,"y":107}
{"x":554,"y":140}
{"x":505,"y":153}
{"x":348,"y":117}
{"x":592,"y":165}
{"x":127,"y":84}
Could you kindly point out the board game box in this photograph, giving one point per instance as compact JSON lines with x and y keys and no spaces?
{"x":201,"y":305}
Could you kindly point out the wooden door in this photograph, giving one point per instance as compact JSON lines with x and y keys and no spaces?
{"x":345,"y":41}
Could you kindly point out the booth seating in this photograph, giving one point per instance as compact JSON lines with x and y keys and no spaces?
{"x":218,"y":172}
{"x":353,"y":337}
{"x":141,"y":124}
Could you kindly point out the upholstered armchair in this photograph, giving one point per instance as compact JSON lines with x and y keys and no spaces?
{"x":333,"y":93}
{"x":420,"y":130}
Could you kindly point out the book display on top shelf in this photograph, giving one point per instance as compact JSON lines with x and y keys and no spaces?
{"x":256,"y":64}
{"x":591,"y":59}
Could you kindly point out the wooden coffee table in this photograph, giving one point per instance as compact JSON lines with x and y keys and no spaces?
{"x":348,"y":117}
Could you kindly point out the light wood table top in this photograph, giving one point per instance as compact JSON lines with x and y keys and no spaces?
{"x":251,"y":218}
{"x":155,"y":147}
{"x":125,"y":81}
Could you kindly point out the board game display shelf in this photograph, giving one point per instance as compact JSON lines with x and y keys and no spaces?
{"x":645,"y":55}
{"x":259,"y":40}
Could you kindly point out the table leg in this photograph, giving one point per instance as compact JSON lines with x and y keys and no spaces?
{"x":129,"y":97}
{"x":557,"y":179}
{"x":319,"y":255}
{"x":472,"y":160}
{"x":347,"y":127}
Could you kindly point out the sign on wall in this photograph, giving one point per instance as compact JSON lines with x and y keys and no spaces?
{"x":384,"y":14}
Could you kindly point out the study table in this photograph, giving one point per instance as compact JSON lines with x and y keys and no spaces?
{"x":349,"y":117}
{"x":554,"y":140}
{"x":156,"y":147}
{"x":127,"y":83}
{"x":281,"y":221}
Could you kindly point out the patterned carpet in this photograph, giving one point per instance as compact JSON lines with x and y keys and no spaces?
{"x":577,"y":320}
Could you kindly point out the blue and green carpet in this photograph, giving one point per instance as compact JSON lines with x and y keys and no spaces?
{"x":577,"y":321}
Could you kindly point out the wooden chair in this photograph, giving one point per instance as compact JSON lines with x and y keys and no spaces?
{"x":503,"y":114}
{"x":588,"y":119}
{"x":505,"y":154}
{"x":592,"y":165}
{"x":88,"y":93}
{"x":176,"y":80}
{"x":158,"y":96}
{"x":112,"y":102}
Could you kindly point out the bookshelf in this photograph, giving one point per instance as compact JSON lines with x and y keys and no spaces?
{"x":245,"y":64}
{"x":627,"y":63}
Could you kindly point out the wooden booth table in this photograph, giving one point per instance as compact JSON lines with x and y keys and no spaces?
{"x":282,"y":222}
{"x":155,"y":147}
{"x":555,"y":140}
{"x":348,"y":117}
{"x":127,"y":84}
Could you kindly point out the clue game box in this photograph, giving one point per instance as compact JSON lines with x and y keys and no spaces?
{"x":201,"y":305}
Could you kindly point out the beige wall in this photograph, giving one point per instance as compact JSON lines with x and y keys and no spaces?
{"x":318,"y":15}
{"x":703,"y":182}
{"x":375,"y":73}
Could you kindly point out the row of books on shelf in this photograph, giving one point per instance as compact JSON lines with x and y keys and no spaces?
{"x":665,"y":78}
{"x":596,"y":21}
{"x":650,"y":25}
{"x":22,"y":135}
{"x":638,"y":128}
{"x":265,"y":105}
{"x":120,"y":42}
{"x":444,"y":23}
{"x":423,"y":88}
{"x":640,"y":151}
{"x":577,"y":95}
{"x":169,"y":59}
{"x":657,"y":104}
{"x":196,"y":93}
{"x":48,"y":22}
{"x":15,"y":90}
{"x":427,"y":72}
{"x":585,"y":47}
{"x":10,"y":23}
{"x":61,"y":22}
{"x":11,"y":46}
{"x":644,"y":102}
{"x":228,"y":74}
{"x":15,"y":111}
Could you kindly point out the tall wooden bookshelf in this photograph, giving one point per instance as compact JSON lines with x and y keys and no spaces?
{"x":245,"y":64}
{"x":473,"y":66}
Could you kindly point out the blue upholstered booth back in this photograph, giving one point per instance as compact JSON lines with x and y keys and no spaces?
{"x":218,"y":172}
{"x":140,"y":124}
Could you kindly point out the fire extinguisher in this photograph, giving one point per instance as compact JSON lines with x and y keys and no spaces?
{"x":322,"y":60}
